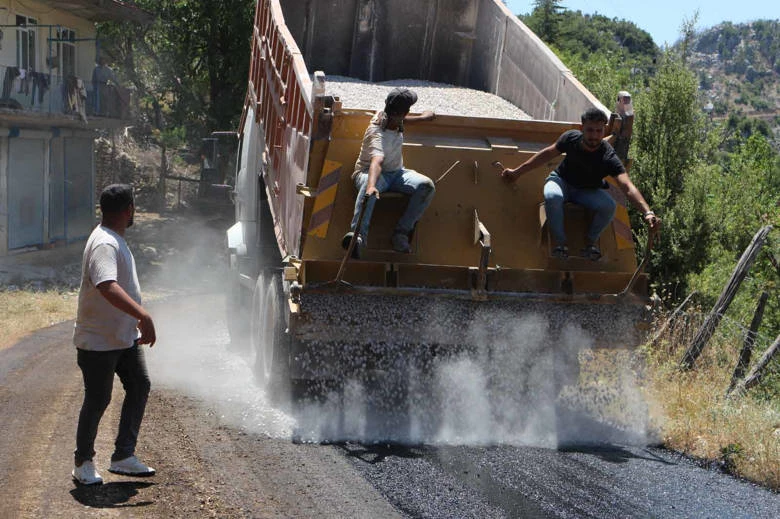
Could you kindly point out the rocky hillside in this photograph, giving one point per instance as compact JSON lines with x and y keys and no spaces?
{"x":739,"y":68}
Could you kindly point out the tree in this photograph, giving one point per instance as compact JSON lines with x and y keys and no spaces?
{"x":688,"y":30}
{"x":545,"y":19}
{"x":668,"y":139}
{"x":189,"y":68}
{"x":191,"y":65}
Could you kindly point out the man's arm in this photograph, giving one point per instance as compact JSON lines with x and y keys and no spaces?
{"x":374,"y":169}
{"x":638,"y":201}
{"x":427,"y":115}
{"x":539,"y":158}
{"x":117,"y":296}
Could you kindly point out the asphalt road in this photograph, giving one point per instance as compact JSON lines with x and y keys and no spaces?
{"x":223,"y":451}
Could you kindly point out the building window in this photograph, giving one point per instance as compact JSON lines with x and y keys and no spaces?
{"x":26,"y":31}
{"x":66,"y":51}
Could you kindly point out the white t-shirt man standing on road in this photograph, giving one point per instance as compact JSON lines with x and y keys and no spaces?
{"x":111,"y":326}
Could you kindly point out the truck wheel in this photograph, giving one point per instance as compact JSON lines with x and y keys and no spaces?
{"x":270,"y":355}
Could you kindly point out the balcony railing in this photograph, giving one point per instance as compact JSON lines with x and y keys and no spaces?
{"x":44,"y":93}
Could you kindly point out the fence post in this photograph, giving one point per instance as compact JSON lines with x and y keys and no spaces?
{"x":755,"y":374}
{"x":750,"y":339}
{"x":729,"y":291}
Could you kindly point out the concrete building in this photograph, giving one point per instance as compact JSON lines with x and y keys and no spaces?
{"x":53,"y":101}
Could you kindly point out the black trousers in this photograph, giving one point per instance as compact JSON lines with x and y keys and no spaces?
{"x":98,"y":368}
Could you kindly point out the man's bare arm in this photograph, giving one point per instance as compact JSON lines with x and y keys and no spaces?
{"x":539,"y":158}
{"x":638,"y":201}
{"x":118,"y":298}
{"x":374,"y":170}
{"x":427,"y":115}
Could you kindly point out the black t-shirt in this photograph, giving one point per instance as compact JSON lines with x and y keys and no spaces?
{"x":586,"y":169}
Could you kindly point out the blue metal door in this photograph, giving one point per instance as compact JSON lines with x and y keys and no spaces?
{"x":79,"y":188}
{"x":26,"y":160}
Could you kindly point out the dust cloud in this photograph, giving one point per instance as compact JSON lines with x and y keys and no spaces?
{"x":528,"y":377}
{"x":507,"y":390}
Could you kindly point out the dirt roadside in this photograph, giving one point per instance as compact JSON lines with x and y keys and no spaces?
{"x":205,"y":468}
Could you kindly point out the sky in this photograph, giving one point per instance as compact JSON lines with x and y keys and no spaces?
{"x":663,"y":18}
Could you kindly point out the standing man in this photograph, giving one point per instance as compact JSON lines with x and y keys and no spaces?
{"x":380,"y":168}
{"x":107,"y":89}
{"x":111,"y":325}
{"x":579,"y":178}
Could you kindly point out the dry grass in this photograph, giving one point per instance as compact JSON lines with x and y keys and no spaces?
{"x":696,"y":417}
{"x":23,"y":311}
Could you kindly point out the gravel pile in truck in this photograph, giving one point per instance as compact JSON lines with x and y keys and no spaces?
{"x":441,"y":98}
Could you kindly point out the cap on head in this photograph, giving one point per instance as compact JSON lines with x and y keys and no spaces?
{"x":116,"y":198}
{"x":399,"y":100}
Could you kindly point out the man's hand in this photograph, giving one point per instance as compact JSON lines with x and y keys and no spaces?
{"x":653,"y":221}
{"x":372,"y":190}
{"x":427,"y":115}
{"x":509,"y":175}
{"x":148,"y":334}
{"x":118,"y":298}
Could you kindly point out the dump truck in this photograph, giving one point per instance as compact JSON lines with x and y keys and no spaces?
{"x":480,"y":255}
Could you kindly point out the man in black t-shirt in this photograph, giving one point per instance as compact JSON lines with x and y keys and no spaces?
{"x":579,"y":178}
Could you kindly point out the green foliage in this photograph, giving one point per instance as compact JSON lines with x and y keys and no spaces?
{"x":190,"y":66}
{"x":604,"y":74}
{"x":668,"y":141}
{"x":607,"y":55}
{"x":587,"y":36}
{"x":545,"y":20}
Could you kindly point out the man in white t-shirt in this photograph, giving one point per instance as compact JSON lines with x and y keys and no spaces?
{"x":380,"y":168}
{"x":111,"y":326}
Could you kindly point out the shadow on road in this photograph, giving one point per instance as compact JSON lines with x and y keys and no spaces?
{"x":110,"y":495}
{"x":613,"y":453}
{"x":378,"y":453}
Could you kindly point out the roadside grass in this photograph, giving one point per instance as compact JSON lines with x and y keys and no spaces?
{"x":742,"y":432}
{"x":24,"y":311}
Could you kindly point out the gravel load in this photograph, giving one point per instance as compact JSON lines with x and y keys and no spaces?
{"x":442,"y":98}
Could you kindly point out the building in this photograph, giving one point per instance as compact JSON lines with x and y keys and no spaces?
{"x":52,"y":103}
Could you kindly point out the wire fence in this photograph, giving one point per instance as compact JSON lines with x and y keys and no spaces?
{"x":723,"y":347}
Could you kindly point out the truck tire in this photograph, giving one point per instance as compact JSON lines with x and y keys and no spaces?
{"x":269,"y":356}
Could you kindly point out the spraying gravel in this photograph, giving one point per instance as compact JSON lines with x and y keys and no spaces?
{"x":442,"y":98}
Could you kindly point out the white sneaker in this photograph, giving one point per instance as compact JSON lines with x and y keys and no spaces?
{"x":131,"y":467}
{"x":86,"y":474}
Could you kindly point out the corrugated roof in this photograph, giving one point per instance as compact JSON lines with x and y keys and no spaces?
{"x":102,"y":10}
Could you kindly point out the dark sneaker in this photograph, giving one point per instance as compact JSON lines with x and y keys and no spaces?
{"x":358,"y":250}
{"x":401,"y":243}
{"x":131,"y":466}
{"x":591,"y":252}
{"x":561,"y":252}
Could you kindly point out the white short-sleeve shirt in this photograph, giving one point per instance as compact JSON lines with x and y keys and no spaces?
{"x":380,"y":143}
{"x":100,"y":326}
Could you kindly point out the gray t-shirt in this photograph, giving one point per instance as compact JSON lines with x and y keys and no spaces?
{"x":100,"y":326}
{"x":380,"y":143}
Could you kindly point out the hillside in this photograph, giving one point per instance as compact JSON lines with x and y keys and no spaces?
{"x":738,"y":67}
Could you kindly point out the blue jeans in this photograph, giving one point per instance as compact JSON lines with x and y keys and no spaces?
{"x":98,"y":368}
{"x":557,"y":191}
{"x":405,"y":181}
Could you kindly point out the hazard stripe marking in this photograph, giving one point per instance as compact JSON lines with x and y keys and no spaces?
{"x":325,"y":199}
{"x":621,"y":225}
